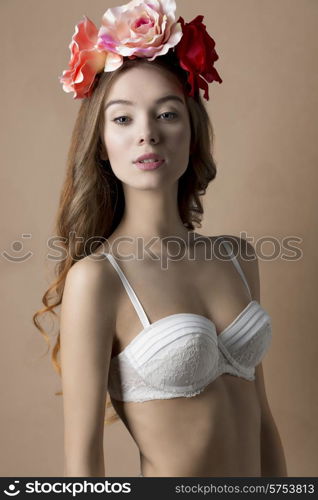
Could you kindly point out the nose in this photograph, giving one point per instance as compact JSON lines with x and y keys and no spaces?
{"x":148,"y":133}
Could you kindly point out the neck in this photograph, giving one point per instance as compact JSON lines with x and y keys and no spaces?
{"x":151,"y":217}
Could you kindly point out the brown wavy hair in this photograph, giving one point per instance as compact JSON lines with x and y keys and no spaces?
{"x":92,"y":200}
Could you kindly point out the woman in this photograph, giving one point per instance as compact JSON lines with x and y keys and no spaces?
{"x":166,"y":320}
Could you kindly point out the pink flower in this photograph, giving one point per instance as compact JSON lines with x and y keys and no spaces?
{"x":138,"y":29}
{"x":85,"y":61}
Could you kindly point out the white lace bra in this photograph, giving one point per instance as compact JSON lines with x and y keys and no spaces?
{"x":180,"y":354}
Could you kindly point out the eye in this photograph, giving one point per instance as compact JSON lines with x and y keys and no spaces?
{"x":125,"y":123}
{"x":169,"y":113}
{"x":120,"y":123}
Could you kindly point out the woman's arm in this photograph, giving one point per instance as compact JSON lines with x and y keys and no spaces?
{"x":86,"y":343}
{"x":273,"y":462}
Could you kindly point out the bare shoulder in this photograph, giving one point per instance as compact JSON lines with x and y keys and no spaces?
{"x":92,"y":275}
{"x":246,"y":255}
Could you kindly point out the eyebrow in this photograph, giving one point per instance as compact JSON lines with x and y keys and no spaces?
{"x":158,"y":101}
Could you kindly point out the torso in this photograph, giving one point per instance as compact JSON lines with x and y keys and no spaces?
{"x":217,"y":432}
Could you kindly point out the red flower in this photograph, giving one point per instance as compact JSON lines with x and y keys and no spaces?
{"x":197,"y":55}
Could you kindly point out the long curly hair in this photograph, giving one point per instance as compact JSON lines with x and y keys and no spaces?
{"x":92,"y":200}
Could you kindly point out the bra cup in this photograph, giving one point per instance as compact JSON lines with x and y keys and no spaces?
{"x":252,"y":353}
{"x":249,"y":352}
{"x":184,"y":365}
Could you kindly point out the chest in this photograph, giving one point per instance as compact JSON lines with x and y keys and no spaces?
{"x":208,"y":287}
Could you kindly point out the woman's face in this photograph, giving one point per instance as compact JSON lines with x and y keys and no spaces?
{"x":148,"y":125}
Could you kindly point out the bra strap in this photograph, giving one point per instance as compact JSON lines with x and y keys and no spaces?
{"x":133,"y":297}
{"x":236,"y":263}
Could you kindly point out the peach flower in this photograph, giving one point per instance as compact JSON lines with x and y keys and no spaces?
{"x":85,"y":60}
{"x":138,"y":29}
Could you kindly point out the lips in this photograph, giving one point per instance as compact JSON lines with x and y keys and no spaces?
{"x":149,"y":156}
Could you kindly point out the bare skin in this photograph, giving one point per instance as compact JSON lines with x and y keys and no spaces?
{"x":216,"y":433}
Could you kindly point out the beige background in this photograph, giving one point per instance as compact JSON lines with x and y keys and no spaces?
{"x":265,"y":120}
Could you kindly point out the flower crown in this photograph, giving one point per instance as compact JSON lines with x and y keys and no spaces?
{"x":144,"y":29}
